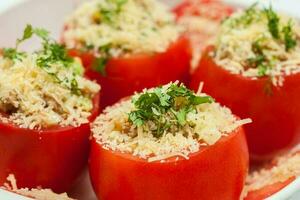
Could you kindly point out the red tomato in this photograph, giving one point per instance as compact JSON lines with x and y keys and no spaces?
{"x":275,"y":111}
{"x":215,"y":172}
{"x":51,"y":158}
{"x":126,"y":75}
{"x":201,"y":33}
{"x":268,"y":190}
{"x":210,"y":9}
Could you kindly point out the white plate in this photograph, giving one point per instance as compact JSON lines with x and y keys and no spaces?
{"x":14,"y":15}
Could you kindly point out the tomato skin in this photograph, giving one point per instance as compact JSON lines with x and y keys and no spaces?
{"x":268,"y":190}
{"x":275,"y":114}
{"x":215,"y":172}
{"x":52,"y":158}
{"x":125,"y":75}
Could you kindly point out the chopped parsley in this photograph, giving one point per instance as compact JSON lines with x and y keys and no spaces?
{"x":260,"y":60}
{"x":99,"y":65}
{"x":286,"y":32}
{"x":51,"y":53}
{"x":249,"y":15}
{"x":165,"y":107}
{"x":12,"y":54}
{"x":108,"y":13}
{"x":289,"y":37}
{"x":273,"y":22}
{"x":101,"y":60}
{"x":280,"y":33}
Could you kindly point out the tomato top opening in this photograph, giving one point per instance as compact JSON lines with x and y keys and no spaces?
{"x":164,"y":122}
{"x":267,"y":105}
{"x":57,"y":128}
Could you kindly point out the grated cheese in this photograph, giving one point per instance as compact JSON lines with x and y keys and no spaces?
{"x":139,"y":26}
{"x":238,"y":34}
{"x":39,"y":194}
{"x":211,"y":121}
{"x":32,"y":98}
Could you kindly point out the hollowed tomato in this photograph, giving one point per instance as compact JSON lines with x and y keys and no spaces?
{"x":275,"y":111}
{"x":125,"y":75}
{"x":50,"y":158}
{"x":214,"y":172}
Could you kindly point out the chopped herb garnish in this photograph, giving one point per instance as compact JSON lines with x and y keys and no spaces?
{"x":273,"y":22}
{"x":107,"y":15}
{"x":100,"y":61}
{"x":289,"y":38}
{"x":262,"y":70}
{"x":12,"y":54}
{"x":274,"y":28}
{"x":26,"y":35}
{"x":54,"y":53}
{"x":165,"y":107}
{"x":260,"y":60}
{"x":247,"y":18}
{"x":51,"y":53}
{"x":99,"y":65}
{"x":250,"y":14}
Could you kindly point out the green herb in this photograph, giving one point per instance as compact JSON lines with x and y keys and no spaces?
{"x":88,"y":47}
{"x":29,"y":31}
{"x":107,"y":15}
{"x":165,"y":107}
{"x":289,"y":38}
{"x":51,"y":53}
{"x":262,"y":70}
{"x":12,"y":54}
{"x":100,"y":61}
{"x":246,"y":18}
{"x":54,"y":53}
{"x":74,"y":87}
{"x":42,"y":33}
{"x":250,"y":14}
{"x":26,"y":35}
{"x":99,"y":65}
{"x":255,"y":61}
{"x":273,"y":22}
{"x":260,"y":61}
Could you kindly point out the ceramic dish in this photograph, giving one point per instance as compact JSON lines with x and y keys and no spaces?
{"x":50,"y":14}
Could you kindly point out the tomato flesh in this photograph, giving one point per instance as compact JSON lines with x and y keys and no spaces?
{"x":125,"y":75}
{"x":215,"y":172}
{"x":275,"y":111}
{"x":51,"y":158}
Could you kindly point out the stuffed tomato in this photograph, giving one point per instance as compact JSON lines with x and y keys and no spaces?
{"x":254,"y":70}
{"x":45,"y":108}
{"x":201,"y":20}
{"x":273,"y":177}
{"x":164,"y":140}
{"x":127,"y":45}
